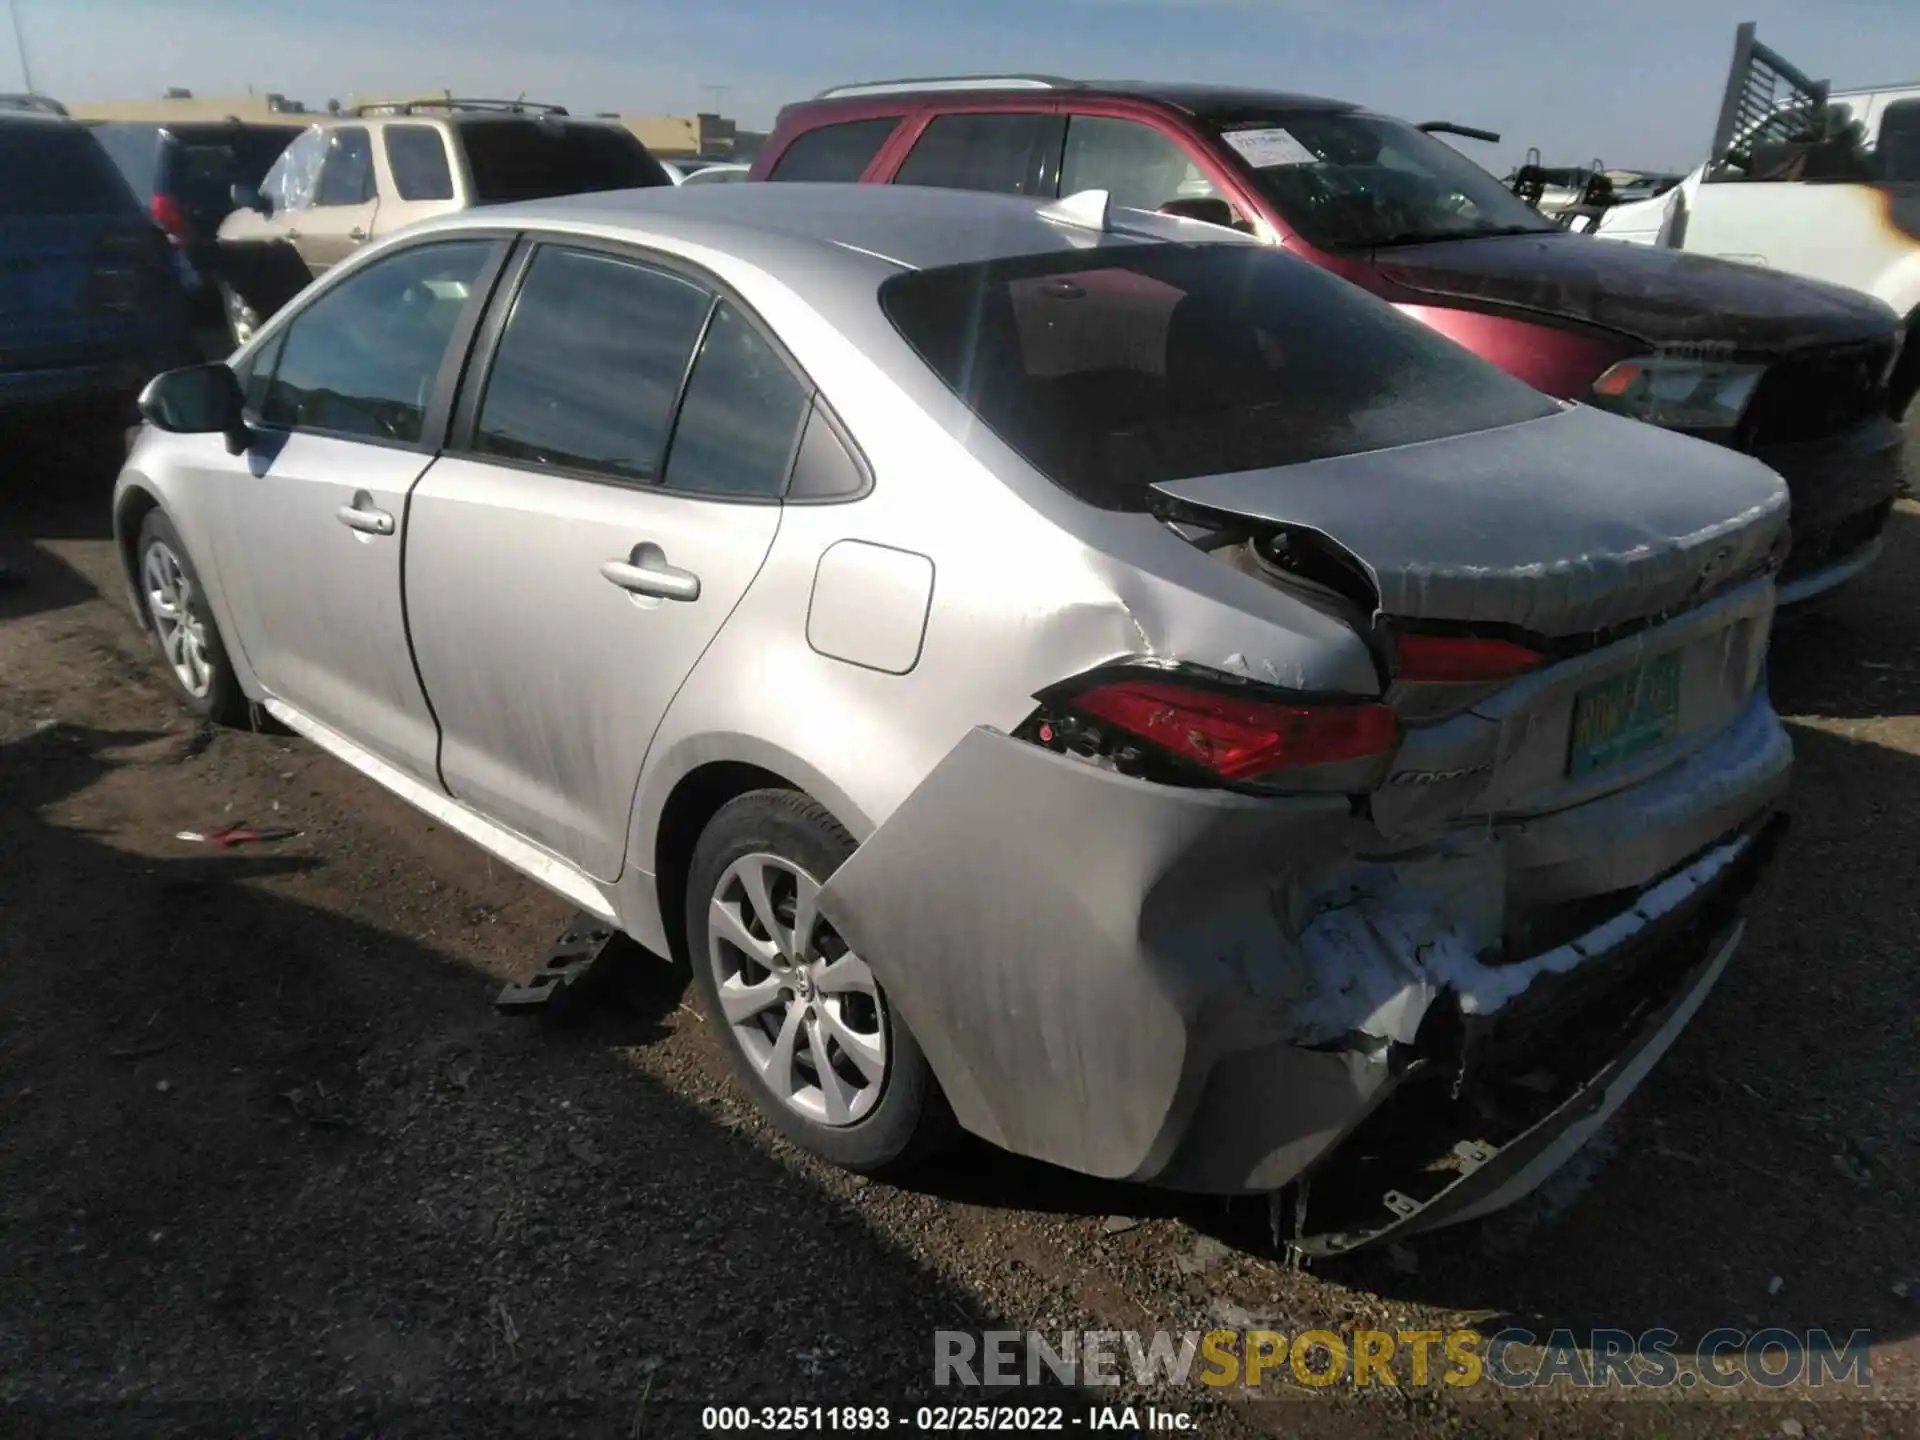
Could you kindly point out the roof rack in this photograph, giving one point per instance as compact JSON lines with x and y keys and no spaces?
{"x":947,"y":82}
{"x":433,"y":103}
{"x":38,"y":104}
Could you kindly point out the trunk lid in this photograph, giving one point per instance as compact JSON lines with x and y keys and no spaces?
{"x":1567,"y":525}
{"x":1658,"y":296}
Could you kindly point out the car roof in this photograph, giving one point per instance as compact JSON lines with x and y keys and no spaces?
{"x":787,"y":230}
{"x":1195,"y":99}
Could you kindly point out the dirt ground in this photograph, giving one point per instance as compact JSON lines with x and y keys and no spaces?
{"x":271,"y":1164}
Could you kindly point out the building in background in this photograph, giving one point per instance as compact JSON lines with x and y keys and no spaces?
{"x":682,"y":136}
{"x":179,"y":104}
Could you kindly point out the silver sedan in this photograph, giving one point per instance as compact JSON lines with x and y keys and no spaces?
{"x":1055,"y":671}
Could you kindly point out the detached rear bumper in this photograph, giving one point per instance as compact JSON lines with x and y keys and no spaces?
{"x":1214,"y":992}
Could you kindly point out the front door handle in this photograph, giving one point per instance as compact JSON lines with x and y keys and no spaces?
{"x":364,"y":517}
{"x":357,"y":233}
{"x":646,"y":572}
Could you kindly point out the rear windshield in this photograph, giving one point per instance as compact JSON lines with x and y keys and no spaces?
{"x":207,"y":167}
{"x":48,"y":169}
{"x":535,"y":159}
{"x":1116,"y":369}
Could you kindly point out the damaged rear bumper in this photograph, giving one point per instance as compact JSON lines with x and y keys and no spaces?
{"x":1218,"y":992}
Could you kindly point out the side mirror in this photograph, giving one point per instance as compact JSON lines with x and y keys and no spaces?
{"x":1210,"y":209}
{"x":246,"y":197}
{"x":198,"y":400}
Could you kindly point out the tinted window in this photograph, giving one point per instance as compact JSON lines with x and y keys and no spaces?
{"x":1138,"y":165}
{"x":834,"y":152}
{"x":534,"y":159}
{"x":977,"y":152}
{"x":204,"y":168}
{"x":347,"y":176}
{"x":1899,"y":147}
{"x":136,"y":150}
{"x":1118,"y":369}
{"x":291,"y":180}
{"x":57,"y":169}
{"x":824,"y":468}
{"x":737,"y":423}
{"x":1348,"y":180}
{"x":363,"y":358}
{"x":590,"y":365}
{"x":418,"y":158}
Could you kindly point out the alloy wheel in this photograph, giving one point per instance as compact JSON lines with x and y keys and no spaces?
{"x":182,"y":633}
{"x":802,"y":1006}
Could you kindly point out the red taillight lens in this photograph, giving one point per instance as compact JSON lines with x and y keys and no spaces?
{"x":1462,"y":660}
{"x":1238,"y":738}
{"x":168,"y":215}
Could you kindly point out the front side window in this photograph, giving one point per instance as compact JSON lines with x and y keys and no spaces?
{"x":1139,"y":166}
{"x":742,"y":410}
{"x":590,"y":365}
{"x":291,"y":180}
{"x":979,"y":152}
{"x":1117,"y":369}
{"x":834,"y":153}
{"x":363,"y":359}
{"x":1351,"y":181}
{"x":417,"y":156}
{"x":347,"y":176}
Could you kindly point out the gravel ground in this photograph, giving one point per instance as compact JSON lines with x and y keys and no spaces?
{"x":270,"y":1163}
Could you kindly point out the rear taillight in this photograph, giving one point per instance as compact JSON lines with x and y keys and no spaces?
{"x":1462,"y":660}
{"x":1233,"y":733}
{"x":168,"y":215}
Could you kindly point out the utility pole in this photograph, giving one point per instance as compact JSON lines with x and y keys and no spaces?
{"x":20,"y":43}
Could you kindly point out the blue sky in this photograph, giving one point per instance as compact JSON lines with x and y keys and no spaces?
{"x":1635,"y":82}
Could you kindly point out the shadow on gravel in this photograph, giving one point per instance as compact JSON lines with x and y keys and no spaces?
{"x":56,"y":484}
{"x":265,"y":1166}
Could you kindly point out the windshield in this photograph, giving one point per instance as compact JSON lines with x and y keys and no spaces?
{"x":1351,"y":181}
{"x":1114,"y":370}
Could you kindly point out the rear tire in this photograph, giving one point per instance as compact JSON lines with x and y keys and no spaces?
{"x":785,"y":1004}
{"x":189,"y":642}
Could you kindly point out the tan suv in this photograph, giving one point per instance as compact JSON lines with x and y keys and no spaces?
{"x":349,"y":179}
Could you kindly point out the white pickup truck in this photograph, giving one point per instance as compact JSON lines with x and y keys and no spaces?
{"x":1823,"y":184}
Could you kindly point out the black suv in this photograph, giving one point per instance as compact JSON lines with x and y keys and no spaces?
{"x":184,"y":173}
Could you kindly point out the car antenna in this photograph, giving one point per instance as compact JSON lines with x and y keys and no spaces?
{"x":1084,"y":210}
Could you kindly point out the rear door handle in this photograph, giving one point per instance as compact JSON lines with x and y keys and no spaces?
{"x":646,"y":572}
{"x":362,"y":516}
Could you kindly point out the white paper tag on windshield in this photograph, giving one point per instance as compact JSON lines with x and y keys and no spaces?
{"x":1263,"y":149}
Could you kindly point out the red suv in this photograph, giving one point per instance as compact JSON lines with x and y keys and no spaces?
{"x":1794,"y":371}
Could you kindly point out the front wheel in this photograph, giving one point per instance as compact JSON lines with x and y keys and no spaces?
{"x":183,"y":625}
{"x":805,"y":1025}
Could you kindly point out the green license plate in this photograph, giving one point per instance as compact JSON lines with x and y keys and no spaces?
{"x":1625,"y":716}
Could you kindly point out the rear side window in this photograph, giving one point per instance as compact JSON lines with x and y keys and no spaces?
{"x":1137,"y":164}
{"x":363,"y":359}
{"x":536,"y":159}
{"x":742,"y":411}
{"x":588,"y":370}
{"x":834,"y":153}
{"x":418,"y":159}
{"x":57,"y":169}
{"x":1116,"y":370}
{"x":347,"y":176}
{"x":1899,"y":147}
{"x":979,"y":152}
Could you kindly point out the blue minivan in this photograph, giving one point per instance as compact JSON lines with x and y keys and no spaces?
{"x":91,"y":303}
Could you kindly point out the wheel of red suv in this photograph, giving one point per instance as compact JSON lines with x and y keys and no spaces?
{"x":183,"y":627}
{"x":242,"y":318}
{"x":805,"y":1025}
